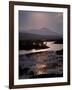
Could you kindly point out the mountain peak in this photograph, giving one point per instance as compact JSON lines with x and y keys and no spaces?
{"x":44,"y":28}
{"x":42,"y":31}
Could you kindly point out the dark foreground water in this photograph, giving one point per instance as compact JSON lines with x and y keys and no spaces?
{"x":44,"y":64}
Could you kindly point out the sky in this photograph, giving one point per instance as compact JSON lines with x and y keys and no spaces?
{"x":36,"y":20}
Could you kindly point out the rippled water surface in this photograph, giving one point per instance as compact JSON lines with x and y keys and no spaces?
{"x":41,"y":63}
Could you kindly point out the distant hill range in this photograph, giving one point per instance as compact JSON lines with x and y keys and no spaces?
{"x":41,"y":34}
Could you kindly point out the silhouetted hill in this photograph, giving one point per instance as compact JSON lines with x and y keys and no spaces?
{"x":30,"y":36}
{"x":43,"y":33}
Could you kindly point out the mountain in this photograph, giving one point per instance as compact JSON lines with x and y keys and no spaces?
{"x":40,"y":34}
{"x":43,"y":31}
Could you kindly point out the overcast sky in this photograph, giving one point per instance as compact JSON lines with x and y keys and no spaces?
{"x":36,"y":20}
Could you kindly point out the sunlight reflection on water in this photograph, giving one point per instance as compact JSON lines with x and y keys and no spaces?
{"x":39,"y":68}
{"x":44,"y":61}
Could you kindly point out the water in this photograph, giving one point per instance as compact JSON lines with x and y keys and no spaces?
{"x":41,"y":63}
{"x":51,"y":45}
